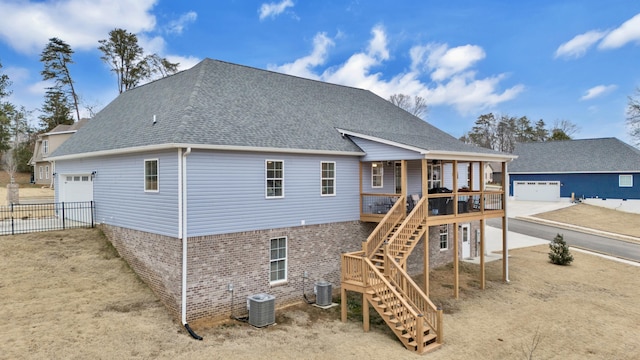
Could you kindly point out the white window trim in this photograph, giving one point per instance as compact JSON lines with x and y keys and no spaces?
{"x":46,"y":172}
{"x":286,"y":260}
{"x":266,"y":179}
{"x":322,"y":178}
{"x":380,"y":165}
{"x":440,"y":233}
{"x":45,"y":147}
{"x":40,"y":170}
{"x":144,"y":180}
{"x":625,"y":183}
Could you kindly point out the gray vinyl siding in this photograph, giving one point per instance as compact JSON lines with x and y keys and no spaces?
{"x":118,"y":191}
{"x":226,"y":192}
{"x":378,"y":152}
{"x":414,"y":175}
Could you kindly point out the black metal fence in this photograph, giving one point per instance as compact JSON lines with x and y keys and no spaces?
{"x":27,"y":218}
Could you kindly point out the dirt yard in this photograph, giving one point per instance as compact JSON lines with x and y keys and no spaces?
{"x":67,"y":295}
{"x":596,"y":217}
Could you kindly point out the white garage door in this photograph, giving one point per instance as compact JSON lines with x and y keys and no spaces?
{"x":536,"y":190}
{"x":76,"y":187}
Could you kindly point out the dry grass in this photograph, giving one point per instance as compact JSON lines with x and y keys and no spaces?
{"x":66,"y":295}
{"x":596,"y":217}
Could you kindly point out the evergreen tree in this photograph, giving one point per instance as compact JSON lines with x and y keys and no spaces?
{"x":56,"y":110}
{"x":559,"y":251}
{"x":56,"y":58}
{"x":125,"y":56}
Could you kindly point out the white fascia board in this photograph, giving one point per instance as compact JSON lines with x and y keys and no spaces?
{"x":435,"y":155}
{"x":171,"y":146}
{"x":61,"y":132}
{"x":383,"y":141}
{"x":469,"y":156}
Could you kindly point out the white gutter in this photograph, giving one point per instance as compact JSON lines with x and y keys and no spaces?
{"x":182,"y":232}
{"x":172,"y":146}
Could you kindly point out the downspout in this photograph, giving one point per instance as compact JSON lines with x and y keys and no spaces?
{"x":182,"y":230}
{"x":53,"y":171}
{"x":506,"y":222}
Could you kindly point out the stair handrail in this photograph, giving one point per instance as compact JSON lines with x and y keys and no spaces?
{"x":415,"y":296}
{"x":417,"y":333}
{"x":414,"y":218}
{"x":384,"y":227}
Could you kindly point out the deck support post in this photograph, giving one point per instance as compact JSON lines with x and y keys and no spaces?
{"x":343,"y":304}
{"x":365,"y":313}
{"x":456,"y":270}
{"x":482,"y":245}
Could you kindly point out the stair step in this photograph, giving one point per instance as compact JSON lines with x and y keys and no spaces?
{"x":429,"y":338}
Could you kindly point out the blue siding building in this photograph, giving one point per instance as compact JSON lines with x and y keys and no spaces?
{"x":590,"y":168}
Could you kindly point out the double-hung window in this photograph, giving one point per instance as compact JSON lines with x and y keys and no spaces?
{"x":151,"y":175}
{"x":46,"y":172}
{"x":278,"y":260}
{"x":377,"y":173}
{"x":274,"y":178}
{"x":45,"y":147}
{"x":444,"y":237}
{"x":328,"y":178}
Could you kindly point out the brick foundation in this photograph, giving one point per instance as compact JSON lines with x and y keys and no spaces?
{"x":241,"y":259}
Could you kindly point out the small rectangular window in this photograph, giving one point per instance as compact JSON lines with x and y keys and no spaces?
{"x":274,"y":178}
{"x":328,"y":178}
{"x":625,"y":180}
{"x":444,"y":237}
{"x":40,"y":172}
{"x":377,"y":173}
{"x":45,"y":147}
{"x":151,"y":175}
{"x":76,"y":178}
{"x":278,"y":260}
{"x":85,"y":178}
{"x":46,"y":172}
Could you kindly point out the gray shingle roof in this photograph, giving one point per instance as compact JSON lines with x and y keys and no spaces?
{"x":588,"y":155}
{"x":219,"y":103}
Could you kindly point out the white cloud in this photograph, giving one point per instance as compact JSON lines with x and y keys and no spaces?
{"x":452,"y":82}
{"x":177,"y":26}
{"x":274,"y":9}
{"x":628,"y":32}
{"x":303,"y":66}
{"x":185,"y":62}
{"x":443,"y":61}
{"x":579,"y":45}
{"x":597,"y":91}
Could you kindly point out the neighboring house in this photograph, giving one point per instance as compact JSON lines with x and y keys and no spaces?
{"x":589,"y":168}
{"x":45,"y":145}
{"x":225,"y":180}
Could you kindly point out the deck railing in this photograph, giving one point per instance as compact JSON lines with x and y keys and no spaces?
{"x":27,"y":218}
{"x":384,"y":227}
{"x":414,"y":296}
{"x":396,"y":246}
{"x":353,"y":267}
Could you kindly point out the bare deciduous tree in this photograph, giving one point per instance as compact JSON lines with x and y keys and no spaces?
{"x":416,"y":106}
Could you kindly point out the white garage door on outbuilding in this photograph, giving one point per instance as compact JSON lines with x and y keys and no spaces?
{"x":536,"y":190}
{"x":76,"y":187}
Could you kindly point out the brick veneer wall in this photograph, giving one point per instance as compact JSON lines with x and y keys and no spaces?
{"x":241,"y":259}
{"x":156,"y":259}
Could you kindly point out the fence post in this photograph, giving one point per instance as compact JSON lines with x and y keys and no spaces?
{"x":63,"y":224}
{"x":12,"y":229}
{"x":91,"y":209}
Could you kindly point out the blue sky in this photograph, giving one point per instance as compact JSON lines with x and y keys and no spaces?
{"x":552,"y":60}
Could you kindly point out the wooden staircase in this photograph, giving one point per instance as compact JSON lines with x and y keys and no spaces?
{"x":380,"y":267}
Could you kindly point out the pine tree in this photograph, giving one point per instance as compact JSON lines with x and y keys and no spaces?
{"x":559,"y":251}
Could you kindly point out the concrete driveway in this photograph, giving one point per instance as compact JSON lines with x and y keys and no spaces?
{"x":517,"y":208}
